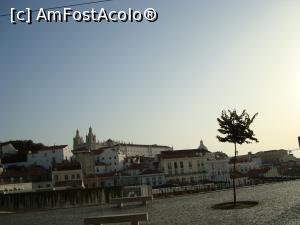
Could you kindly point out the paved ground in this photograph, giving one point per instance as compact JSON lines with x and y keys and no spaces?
{"x":279,"y":205}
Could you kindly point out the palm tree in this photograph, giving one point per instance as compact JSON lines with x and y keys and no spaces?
{"x":235,"y":129}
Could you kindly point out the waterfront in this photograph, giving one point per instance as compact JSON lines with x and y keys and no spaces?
{"x":279,"y":204}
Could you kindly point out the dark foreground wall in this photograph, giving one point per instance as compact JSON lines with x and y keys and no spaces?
{"x":57,"y":199}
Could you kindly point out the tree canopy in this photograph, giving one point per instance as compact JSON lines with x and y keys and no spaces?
{"x":235,"y":127}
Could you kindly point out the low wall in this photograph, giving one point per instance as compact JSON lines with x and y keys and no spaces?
{"x":57,"y":199}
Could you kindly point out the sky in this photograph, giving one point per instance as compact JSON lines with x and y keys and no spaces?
{"x":164,"y":82}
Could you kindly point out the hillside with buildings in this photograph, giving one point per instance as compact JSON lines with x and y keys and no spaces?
{"x":26,"y":166}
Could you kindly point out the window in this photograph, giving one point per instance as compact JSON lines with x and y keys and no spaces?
{"x":169,"y":168}
{"x":56,"y":178}
{"x":190,"y":165}
{"x":109,"y":158}
{"x":153,"y":181}
{"x":66,"y":177}
{"x":73,"y":176}
{"x":45,"y":154}
{"x":115,"y":157}
{"x":115,"y":163}
{"x":192,"y":180}
{"x":78,"y":176}
{"x":159,"y":180}
{"x":181,"y":165}
{"x":102,"y":158}
{"x":175,"y":165}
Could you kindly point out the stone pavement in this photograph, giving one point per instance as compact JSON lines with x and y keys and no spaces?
{"x":279,"y":204}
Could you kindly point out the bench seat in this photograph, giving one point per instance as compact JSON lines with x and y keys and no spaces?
{"x":134,"y":218}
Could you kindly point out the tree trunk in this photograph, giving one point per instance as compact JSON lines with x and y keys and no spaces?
{"x":233,"y":176}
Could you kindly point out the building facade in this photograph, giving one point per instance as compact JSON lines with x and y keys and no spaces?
{"x":49,"y":155}
{"x":67,"y":174}
{"x":185,"y":166}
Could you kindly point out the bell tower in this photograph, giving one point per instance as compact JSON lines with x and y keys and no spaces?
{"x":77,"y":140}
{"x":91,"y":139}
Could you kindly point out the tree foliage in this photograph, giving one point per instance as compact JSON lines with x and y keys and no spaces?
{"x":23,"y":146}
{"x":235,"y":127}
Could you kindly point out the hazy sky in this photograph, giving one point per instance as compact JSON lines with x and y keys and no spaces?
{"x":164,"y":82}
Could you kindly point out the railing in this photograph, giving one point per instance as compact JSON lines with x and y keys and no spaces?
{"x":199,"y":187}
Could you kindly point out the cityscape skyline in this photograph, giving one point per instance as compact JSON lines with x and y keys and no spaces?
{"x":172,"y":80}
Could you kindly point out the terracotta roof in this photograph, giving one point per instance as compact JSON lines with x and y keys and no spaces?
{"x":98,"y":151}
{"x":182,"y":153}
{"x":102,"y":149}
{"x":54,"y":147}
{"x":24,"y":172}
{"x":241,"y":159}
{"x":81,"y":150}
{"x":135,"y":166}
{"x":250,"y":173}
{"x":66,"y":165}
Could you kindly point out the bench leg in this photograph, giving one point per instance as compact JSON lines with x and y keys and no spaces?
{"x":135,"y":223}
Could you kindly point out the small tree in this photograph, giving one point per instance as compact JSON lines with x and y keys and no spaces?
{"x":235,"y":129}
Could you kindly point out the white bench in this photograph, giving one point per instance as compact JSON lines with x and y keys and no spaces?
{"x":134,"y":218}
{"x":121,"y":201}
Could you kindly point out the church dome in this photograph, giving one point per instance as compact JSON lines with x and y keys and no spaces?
{"x":202,"y":146}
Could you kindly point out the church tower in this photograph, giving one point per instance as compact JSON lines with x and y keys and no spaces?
{"x":91,"y":139}
{"x":77,"y":140}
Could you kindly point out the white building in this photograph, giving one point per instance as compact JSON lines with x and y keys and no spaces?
{"x":108,"y":159}
{"x":19,"y":179}
{"x":49,"y":155}
{"x":7,"y":148}
{"x":194,"y":166}
{"x":185,"y":166}
{"x":245,"y":163}
{"x":142,"y":150}
{"x":218,"y":169}
{"x":67,"y":174}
